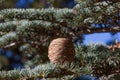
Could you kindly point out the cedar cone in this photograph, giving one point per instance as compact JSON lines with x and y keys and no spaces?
{"x":61,"y":50}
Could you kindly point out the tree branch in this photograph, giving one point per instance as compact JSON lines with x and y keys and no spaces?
{"x":97,"y":30}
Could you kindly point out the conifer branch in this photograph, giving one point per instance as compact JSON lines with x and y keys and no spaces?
{"x":87,"y":61}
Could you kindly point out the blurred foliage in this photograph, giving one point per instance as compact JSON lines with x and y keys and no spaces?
{"x":8,"y":4}
{"x":55,"y":3}
{"x":37,"y":3}
{"x":3,"y":62}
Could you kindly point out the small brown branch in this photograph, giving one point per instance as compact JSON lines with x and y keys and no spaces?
{"x":97,"y":30}
{"x":109,"y":0}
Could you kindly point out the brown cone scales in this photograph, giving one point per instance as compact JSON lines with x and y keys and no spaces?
{"x":61,"y":50}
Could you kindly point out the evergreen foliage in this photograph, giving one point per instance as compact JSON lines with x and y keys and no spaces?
{"x":27,"y":29}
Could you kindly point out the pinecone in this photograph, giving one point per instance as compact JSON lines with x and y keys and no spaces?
{"x":61,"y":50}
